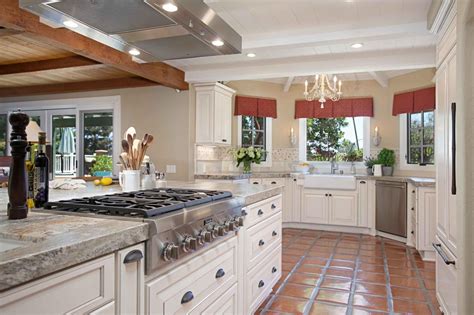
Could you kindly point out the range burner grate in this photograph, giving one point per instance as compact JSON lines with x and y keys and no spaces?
{"x":145,"y":203}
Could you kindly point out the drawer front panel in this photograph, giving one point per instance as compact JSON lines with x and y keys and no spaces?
{"x":58,"y":294}
{"x":260,"y":211}
{"x":262,"y":278}
{"x":219,"y":303}
{"x":261,"y":238}
{"x":185,"y":287}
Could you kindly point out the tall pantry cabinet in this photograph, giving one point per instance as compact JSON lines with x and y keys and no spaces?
{"x":445,"y":120}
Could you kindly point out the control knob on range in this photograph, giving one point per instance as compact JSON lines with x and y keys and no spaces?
{"x":189,"y":243}
{"x":170,"y":252}
{"x":230,"y":225}
{"x":221,"y":231}
{"x":205,"y":236}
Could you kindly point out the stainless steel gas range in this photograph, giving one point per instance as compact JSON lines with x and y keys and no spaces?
{"x":182,"y":221}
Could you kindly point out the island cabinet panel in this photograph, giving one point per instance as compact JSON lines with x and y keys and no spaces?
{"x":184,"y":289}
{"x":219,"y":303}
{"x":130,"y":279}
{"x":79,"y":290}
{"x":315,"y":207}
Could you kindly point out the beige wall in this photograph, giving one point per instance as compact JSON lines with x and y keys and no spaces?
{"x":156,"y":110}
{"x":383,"y":97}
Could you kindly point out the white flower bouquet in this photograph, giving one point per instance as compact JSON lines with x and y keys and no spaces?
{"x":247,"y":156}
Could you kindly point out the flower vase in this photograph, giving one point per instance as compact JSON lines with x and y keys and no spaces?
{"x":247,"y":167}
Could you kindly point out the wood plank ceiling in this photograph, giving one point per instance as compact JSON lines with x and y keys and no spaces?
{"x":36,"y":59}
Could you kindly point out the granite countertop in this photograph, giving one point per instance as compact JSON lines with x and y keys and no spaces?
{"x":51,"y":242}
{"x":237,"y":176}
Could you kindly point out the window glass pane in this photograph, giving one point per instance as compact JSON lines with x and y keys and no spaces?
{"x":415,"y":120}
{"x":428,"y":155}
{"x":3,"y":135}
{"x":339,"y":138}
{"x":415,"y":156}
{"x":428,"y":119}
{"x":98,"y":135}
{"x":259,"y":139}
{"x":415,"y":137}
{"x":64,"y":145}
{"x":259,"y":123}
{"x":246,"y":122}
{"x":247,"y":138}
{"x":428,"y":135}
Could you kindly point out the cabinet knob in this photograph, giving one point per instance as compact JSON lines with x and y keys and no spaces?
{"x":274,"y":270}
{"x":274,"y":233}
{"x":412,"y":209}
{"x":261,"y":283}
{"x":224,"y":140}
{"x":412,"y":232}
{"x":261,"y":243}
{"x":187,"y":297}
{"x":260,"y":212}
{"x":220,"y":273}
{"x":294,"y":179}
{"x":326,"y":195}
{"x":273,"y":206}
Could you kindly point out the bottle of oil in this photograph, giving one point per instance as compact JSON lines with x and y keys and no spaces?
{"x":41,"y":172}
{"x":30,"y":171}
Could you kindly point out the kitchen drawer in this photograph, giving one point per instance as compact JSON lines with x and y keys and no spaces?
{"x":261,"y":238}
{"x":446,"y":281}
{"x":78,"y":290}
{"x":273,"y":181}
{"x":183,"y":288}
{"x":262,"y":278}
{"x":219,"y":303}
{"x":262,"y":210}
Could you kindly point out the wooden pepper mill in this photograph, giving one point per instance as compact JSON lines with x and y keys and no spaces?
{"x":17,"y":182}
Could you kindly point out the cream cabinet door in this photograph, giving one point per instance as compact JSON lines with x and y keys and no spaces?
{"x":315,"y":207}
{"x":204,"y":117}
{"x":426,"y":218}
{"x":343,"y":208}
{"x":222,"y":118}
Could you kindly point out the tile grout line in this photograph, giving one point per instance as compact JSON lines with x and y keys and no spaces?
{"x":354,"y":278}
{"x":421,"y":282}
{"x":316,"y":289}
{"x":292,"y":271}
{"x":387,"y":278}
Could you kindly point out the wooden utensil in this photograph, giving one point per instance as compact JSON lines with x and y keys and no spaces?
{"x":125,"y":159}
{"x":130,"y":131}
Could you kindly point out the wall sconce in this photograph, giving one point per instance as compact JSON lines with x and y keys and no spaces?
{"x":377,"y":138}
{"x":292,"y":137}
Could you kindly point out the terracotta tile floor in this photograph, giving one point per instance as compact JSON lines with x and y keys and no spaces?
{"x":340,"y":273}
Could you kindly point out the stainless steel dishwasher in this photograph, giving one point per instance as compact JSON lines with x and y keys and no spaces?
{"x":391,"y":207}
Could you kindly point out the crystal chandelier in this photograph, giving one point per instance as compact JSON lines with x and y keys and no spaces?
{"x":323,"y":89}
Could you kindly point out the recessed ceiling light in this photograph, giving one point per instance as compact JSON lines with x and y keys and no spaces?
{"x":357,"y":45}
{"x":217,"y":42}
{"x":169,"y":7}
{"x":70,"y":23}
{"x":134,"y":52}
{"x":251,"y":55}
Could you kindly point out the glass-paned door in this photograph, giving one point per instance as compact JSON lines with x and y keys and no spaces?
{"x":97,"y":144}
{"x":63,"y":142}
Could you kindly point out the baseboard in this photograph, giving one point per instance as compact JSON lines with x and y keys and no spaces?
{"x":325,"y":227}
{"x":392,"y":237}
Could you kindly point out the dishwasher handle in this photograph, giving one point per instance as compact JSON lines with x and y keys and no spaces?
{"x":443,"y":255}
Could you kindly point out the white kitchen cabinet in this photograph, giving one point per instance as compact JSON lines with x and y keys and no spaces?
{"x":426,"y":221}
{"x":335,"y":207}
{"x":130,"y":264}
{"x":363,"y":203}
{"x":213,"y":114}
{"x":220,"y":303}
{"x":79,"y":290}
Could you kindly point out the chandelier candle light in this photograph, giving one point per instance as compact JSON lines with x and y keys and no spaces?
{"x":323,"y":89}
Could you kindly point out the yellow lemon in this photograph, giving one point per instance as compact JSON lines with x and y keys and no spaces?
{"x":97,"y":182}
{"x":106,"y":181}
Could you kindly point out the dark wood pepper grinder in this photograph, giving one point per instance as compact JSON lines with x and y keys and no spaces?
{"x":17,"y":182}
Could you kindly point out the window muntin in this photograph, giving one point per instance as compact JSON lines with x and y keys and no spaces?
{"x":420,"y":138}
{"x":335,"y":138}
{"x":254,"y":131}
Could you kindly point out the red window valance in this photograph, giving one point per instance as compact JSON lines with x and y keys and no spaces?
{"x":348,"y":107}
{"x":414,"y":102}
{"x":253,"y":106}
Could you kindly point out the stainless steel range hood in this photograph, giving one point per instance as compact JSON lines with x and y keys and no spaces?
{"x":144,"y":25}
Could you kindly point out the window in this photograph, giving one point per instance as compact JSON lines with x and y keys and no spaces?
{"x":420,"y":138}
{"x":341,"y":139}
{"x":98,"y":138}
{"x":256,"y":132}
{"x":3,"y":135}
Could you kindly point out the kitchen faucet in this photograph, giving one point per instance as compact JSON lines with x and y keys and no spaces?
{"x":334,"y":166}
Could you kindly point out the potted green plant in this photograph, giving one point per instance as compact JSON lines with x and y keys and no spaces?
{"x":247,"y":156}
{"x":386,"y":157}
{"x":102,"y":166}
{"x":369,"y":162}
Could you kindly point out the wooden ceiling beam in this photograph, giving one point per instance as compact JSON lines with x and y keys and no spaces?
{"x":11,"y":16}
{"x":48,"y":64}
{"x":71,"y":87}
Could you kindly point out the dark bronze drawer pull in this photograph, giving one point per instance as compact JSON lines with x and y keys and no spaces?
{"x":187,"y":297}
{"x":273,"y":183}
{"x":261,"y":243}
{"x":274,"y":270}
{"x":133,"y":256}
{"x":260,"y":212}
{"x":274,"y":233}
{"x":273,"y":206}
{"x":220,"y":273}
{"x":261,"y":284}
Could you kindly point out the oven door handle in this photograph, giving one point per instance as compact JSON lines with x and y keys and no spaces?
{"x":443,"y":255}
